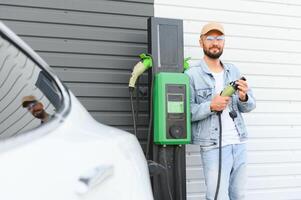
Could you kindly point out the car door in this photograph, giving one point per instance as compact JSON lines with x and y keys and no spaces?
{"x":67,"y":155}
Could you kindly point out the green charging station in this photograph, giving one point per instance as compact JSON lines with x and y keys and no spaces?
{"x":171,"y":109}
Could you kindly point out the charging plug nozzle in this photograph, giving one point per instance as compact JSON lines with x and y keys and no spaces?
{"x":145,"y":63}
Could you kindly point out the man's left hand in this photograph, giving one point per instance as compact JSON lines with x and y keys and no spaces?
{"x":242,"y":90}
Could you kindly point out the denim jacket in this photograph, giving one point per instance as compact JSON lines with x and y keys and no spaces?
{"x":204,"y":122}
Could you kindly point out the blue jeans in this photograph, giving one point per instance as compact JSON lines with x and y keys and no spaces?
{"x":233,"y":174}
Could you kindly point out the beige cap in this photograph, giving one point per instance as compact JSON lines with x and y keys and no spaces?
{"x":212,"y":26}
{"x":28,"y":99}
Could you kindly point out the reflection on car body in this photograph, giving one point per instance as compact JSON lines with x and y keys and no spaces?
{"x":36,"y":108}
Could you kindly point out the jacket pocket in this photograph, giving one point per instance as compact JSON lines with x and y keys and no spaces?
{"x":204,"y":95}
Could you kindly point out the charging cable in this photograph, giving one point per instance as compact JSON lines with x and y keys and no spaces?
{"x":219,"y":114}
{"x":144,"y":64}
{"x":228,"y":91}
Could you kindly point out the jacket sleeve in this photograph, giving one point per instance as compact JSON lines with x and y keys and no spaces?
{"x":249,"y":105}
{"x":199,"y":111}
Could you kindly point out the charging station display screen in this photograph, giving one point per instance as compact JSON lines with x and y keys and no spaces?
{"x":175,"y":103}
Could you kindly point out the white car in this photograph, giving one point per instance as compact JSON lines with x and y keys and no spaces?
{"x":69,"y":157}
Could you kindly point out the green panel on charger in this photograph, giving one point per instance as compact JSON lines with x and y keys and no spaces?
{"x":172,"y":125}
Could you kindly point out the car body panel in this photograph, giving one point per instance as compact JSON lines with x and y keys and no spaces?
{"x":49,"y":167}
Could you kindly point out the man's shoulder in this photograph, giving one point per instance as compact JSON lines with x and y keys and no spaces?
{"x":194,"y":66}
{"x":195,"y":63}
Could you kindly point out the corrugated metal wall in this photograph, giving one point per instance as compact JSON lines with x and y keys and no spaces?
{"x":263,"y":40}
{"x":18,"y":77}
{"x":91,"y":44}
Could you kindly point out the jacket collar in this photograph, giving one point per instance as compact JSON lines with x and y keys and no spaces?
{"x":205,"y":67}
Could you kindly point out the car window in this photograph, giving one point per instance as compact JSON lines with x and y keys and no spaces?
{"x":29,"y":96}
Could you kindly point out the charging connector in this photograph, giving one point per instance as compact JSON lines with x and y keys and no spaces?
{"x":145,"y":63}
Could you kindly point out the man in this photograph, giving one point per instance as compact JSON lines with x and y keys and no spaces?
{"x":35,"y":107}
{"x":207,"y":79}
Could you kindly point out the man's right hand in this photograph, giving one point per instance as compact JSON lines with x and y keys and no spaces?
{"x":219,"y":103}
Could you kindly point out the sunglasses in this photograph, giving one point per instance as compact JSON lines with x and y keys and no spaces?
{"x":31,"y":105}
{"x":218,"y":38}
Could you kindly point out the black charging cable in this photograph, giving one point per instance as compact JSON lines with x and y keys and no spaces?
{"x":166,"y":173}
{"x":131,"y":90}
{"x":177,"y":158}
{"x":233,"y":115}
{"x":150,"y":125}
{"x":137,"y":99}
{"x":219,"y":114}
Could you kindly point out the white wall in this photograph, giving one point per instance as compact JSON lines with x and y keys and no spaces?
{"x":263,"y":38}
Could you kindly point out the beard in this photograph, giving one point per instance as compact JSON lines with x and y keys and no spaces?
{"x":39,"y":114}
{"x":213,"y":55}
